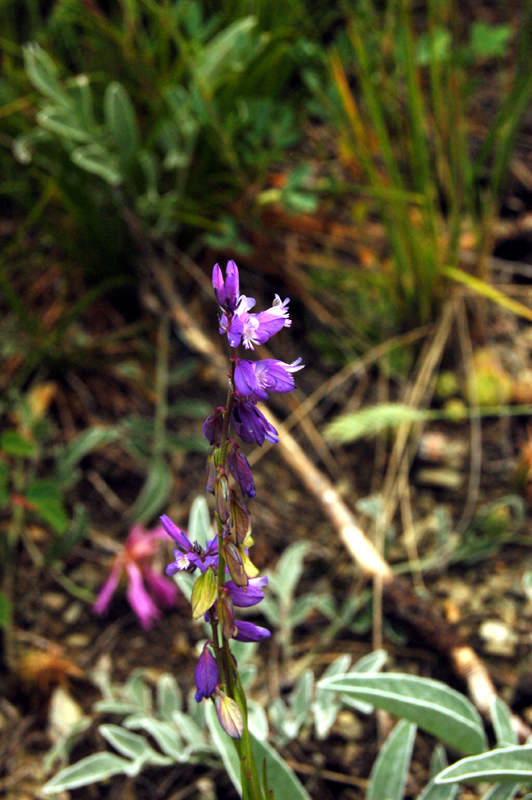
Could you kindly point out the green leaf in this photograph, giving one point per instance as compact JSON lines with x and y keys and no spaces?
{"x":4,"y":484}
{"x":95,"y":159}
{"x":6,"y":610}
{"x":490,"y":41}
{"x":166,"y":736}
{"x":504,"y":765}
{"x":97,"y":767}
{"x":389,"y":773}
{"x":169,"y":699}
{"x":372,"y":421}
{"x":432,"y":791}
{"x":64,"y":122}
{"x":204,"y":593}
{"x":282,"y":779}
{"x":433,"y":706}
{"x":225,"y":746}
{"x":12,"y":443}
{"x":121,"y":121}
{"x":289,"y":569}
{"x":91,"y":439}
{"x":199,"y":522}
{"x":500,"y":791}
{"x":218,"y":58}
{"x":128,"y":744}
{"x":501,"y":718}
{"x":153,"y":495}
{"x":47,"y":498}
{"x":42,"y":72}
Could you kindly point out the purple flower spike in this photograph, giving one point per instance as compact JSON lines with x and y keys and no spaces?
{"x":254,"y":594}
{"x":251,"y":424}
{"x":227,"y":292}
{"x":206,"y":675}
{"x":240,"y":469}
{"x":248,"y":632}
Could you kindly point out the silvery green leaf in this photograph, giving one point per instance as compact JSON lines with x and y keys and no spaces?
{"x":42,"y":72}
{"x":97,"y":767}
{"x":257,"y":720}
{"x":501,"y":791}
{"x":80,"y":94}
{"x":64,"y":122}
{"x":279,"y":714}
{"x":433,"y":706}
{"x":87,"y":441}
{"x":388,"y":776}
{"x":219,"y":57}
{"x":326,"y":705}
{"x":225,"y":746}
{"x":95,"y":159}
{"x":371,"y":421}
{"x":121,"y":121}
{"x":166,"y":735}
{"x":289,"y":569}
{"x":189,"y":730}
{"x":128,"y":744}
{"x":169,"y":698}
{"x":199,"y":522}
{"x":248,"y":674}
{"x":154,"y":493}
{"x":136,"y":690}
{"x":116,"y":707}
{"x":282,"y":780}
{"x":504,"y":765}
{"x":373,"y":662}
{"x":301,"y":697}
{"x":305,"y":605}
{"x":433,"y":791}
{"x":501,"y":718}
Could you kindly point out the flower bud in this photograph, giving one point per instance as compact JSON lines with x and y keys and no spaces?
{"x":206,"y":675}
{"x":226,"y":615}
{"x":204,"y":593}
{"x":213,"y":426}
{"x":240,"y":469}
{"x":211,"y":470}
{"x":229,"y":715}
{"x":235,"y":565}
{"x":239,"y":523}
{"x":222,"y":494}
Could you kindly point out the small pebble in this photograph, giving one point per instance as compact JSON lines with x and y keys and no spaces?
{"x":499,"y":638}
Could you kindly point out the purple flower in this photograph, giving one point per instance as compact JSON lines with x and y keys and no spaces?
{"x":248,"y":632}
{"x":189,"y":555}
{"x":240,"y":469}
{"x":227,"y":292}
{"x":134,"y":559}
{"x":253,"y":329}
{"x":254,"y":379}
{"x":251,"y":424}
{"x":206,"y":675}
{"x":244,"y":599}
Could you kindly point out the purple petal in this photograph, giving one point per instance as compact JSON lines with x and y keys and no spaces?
{"x":108,"y":589}
{"x":163,"y":590}
{"x":251,"y":424}
{"x":254,"y":594}
{"x":248,"y":632}
{"x":176,"y":533}
{"x":139,"y":599}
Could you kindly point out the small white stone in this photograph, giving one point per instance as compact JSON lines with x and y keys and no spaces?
{"x":499,"y":638}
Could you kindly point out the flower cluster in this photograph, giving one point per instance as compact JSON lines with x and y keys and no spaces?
{"x":147,"y":590}
{"x":227,"y":578}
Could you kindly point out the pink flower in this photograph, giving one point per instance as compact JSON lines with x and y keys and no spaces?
{"x":147,"y":590}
